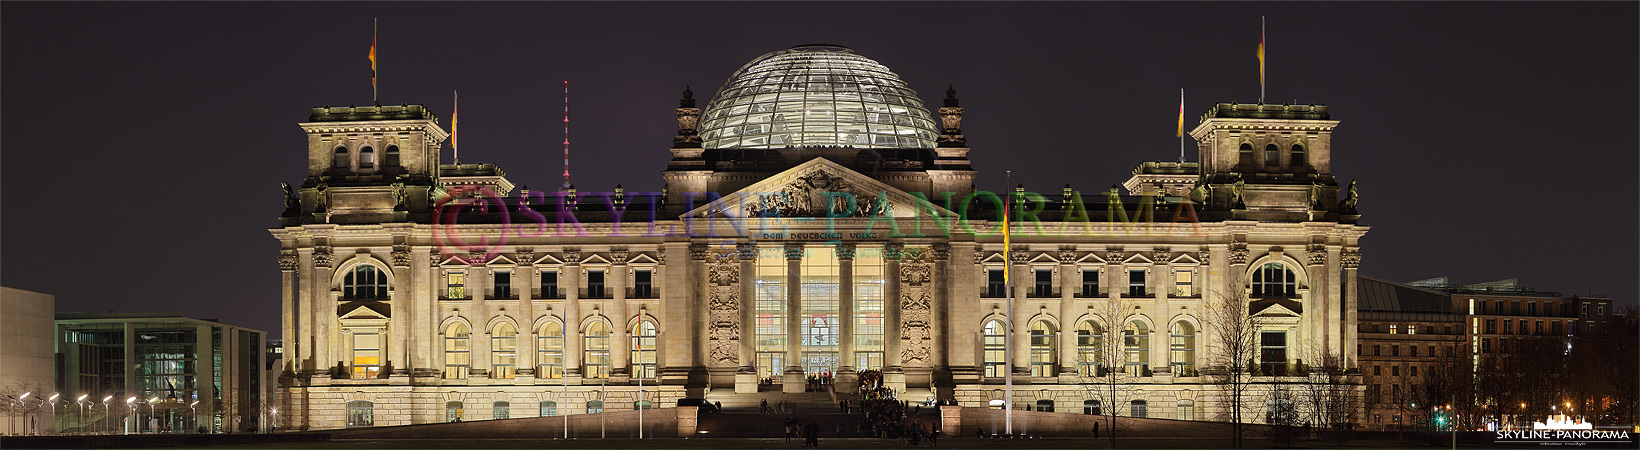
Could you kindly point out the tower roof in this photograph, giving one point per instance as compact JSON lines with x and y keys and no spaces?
{"x":816,"y":95}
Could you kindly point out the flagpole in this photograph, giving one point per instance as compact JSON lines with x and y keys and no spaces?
{"x":1008,"y":330}
{"x":373,"y":97}
{"x":455,"y":127}
{"x":1261,"y":59}
{"x":1181,"y":125}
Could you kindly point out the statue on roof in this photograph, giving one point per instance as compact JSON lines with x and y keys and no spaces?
{"x":1236,"y":195}
{"x":1348,"y":205}
{"x":293,"y":204}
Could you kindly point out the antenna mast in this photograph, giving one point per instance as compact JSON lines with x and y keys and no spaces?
{"x":566,"y":134}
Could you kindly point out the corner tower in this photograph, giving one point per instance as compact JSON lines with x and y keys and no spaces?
{"x":367,"y":164}
{"x":1269,"y":163}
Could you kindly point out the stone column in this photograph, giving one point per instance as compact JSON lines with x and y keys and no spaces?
{"x":746,"y":376}
{"x":524,"y":283}
{"x":620,"y":344}
{"x":685,"y":283}
{"x":1020,"y":315}
{"x":1161,"y":344}
{"x":892,"y":254}
{"x":287,"y":309}
{"x":427,"y":281}
{"x":940,"y":268}
{"x":1351,"y":259}
{"x":793,"y":381}
{"x":570,"y":279}
{"x":1068,"y":279}
{"x":303,"y":340}
{"x":1325,"y":314}
{"x":400,"y":324}
{"x":324,"y":313}
{"x":845,"y":307}
{"x":478,"y":281}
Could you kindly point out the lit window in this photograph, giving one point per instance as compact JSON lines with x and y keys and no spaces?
{"x":456,"y":357}
{"x":503,"y":351}
{"x":769,"y":306}
{"x":549,"y":408}
{"x":643,"y":350}
{"x":1136,"y":348}
{"x":455,"y":284}
{"x":361,"y":413}
{"x":869,"y":282}
{"x":1044,"y":360}
{"x":452,"y":411}
{"x":1139,"y":409}
{"x":1187,"y":410}
{"x":340,"y":160}
{"x":1394,"y":329}
{"x":501,"y":410}
{"x":1273,"y":353}
{"x":1183,"y":283}
{"x":994,"y":348}
{"x":549,"y":343}
{"x":595,"y":406}
{"x":597,"y":350}
{"x":1091,"y":407}
{"x":1089,"y":348}
{"x":367,"y":354}
{"x":1184,"y":349}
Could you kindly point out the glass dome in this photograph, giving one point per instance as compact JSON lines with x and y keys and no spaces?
{"x":816,"y":95}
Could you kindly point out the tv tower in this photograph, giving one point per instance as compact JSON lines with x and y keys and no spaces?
{"x":566,"y":135}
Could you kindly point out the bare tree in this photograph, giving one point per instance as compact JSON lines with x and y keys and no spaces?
{"x":23,"y":400}
{"x":1103,"y":363}
{"x":1328,"y":398}
{"x":1233,"y":346}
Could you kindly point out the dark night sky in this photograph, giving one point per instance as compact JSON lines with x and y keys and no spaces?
{"x":144,"y":143}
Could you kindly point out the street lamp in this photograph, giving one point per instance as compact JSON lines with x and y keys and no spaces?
{"x":54,"y":418}
{"x":21,"y":405}
{"x":104,"y":420}
{"x":81,"y":402}
{"x":153,"y":415}
{"x":132,"y":404}
{"x":194,"y":406}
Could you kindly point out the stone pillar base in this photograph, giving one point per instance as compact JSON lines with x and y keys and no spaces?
{"x":847,"y":382}
{"x":793,"y":382}
{"x":746,"y":383}
{"x":894,"y":378}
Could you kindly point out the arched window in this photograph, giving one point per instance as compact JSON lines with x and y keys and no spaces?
{"x":1091,"y":407}
{"x":1187,"y":410}
{"x":364,"y":282}
{"x":643,"y":349}
{"x":501,"y":410}
{"x":340,"y":160}
{"x":1272,"y":155}
{"x":1246,"y":154}
{"x":596,"y":340}
{"x":1274,"y":280}
{"x":503,"y":351}
{"x":1184,"y":349}
{"x":1136,"y":346}
{"x":549,"y":409}
{"x":367,"y":158}
{"x":1298,"y":157}
{"x":549,"y":347}
{"x":1139,"y":409}
{"x":361,"y":413}
{"x":1044,"y":360}
{"x":456,"y":359}
{"x":1090,"y":343}
{"x":392,"y":157}
{"x":994,"y":348}
{"x":452,"y":411}
{"x":1044,"y":405}
{"x":595,"y":406}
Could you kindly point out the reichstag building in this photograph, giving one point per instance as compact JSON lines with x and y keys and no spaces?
{"x":817,"y":220}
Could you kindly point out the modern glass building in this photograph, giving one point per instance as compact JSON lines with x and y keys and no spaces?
{"x":159,"y":373}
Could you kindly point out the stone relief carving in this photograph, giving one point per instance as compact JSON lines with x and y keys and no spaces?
{"x":572,"y":256}
{"x":1318,"y":254}
{"x":525,"y":256}
{"x":916,"y":298}
{"x":287,"y":262}
{"x":618,"y":256}
{"x":940,"y":252}
{"x":1020,"y":256}
{"x":723,"y":306}
{"x":1238,"y":255}
{"x":477,"y":258}
{"x":1160,"y":255}
{"x":807,"y":196}
{"x":1067,"y":254}
{"x":1113,"y":255}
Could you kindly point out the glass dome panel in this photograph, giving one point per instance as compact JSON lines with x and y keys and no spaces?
{"x":816,"y":96}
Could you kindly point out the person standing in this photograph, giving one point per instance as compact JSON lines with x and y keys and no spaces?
{"x":813,"y":431}
{"x":1096,"y":430}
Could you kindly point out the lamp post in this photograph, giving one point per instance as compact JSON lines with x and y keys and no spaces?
{"x":131,"y":403}
{"x":153,"y":416}
{"x":194,"y":407}
{"x":81,"y":402}
{"x":104,"y":421}
{"x":22,"y":405}
{"x":54,"y":419}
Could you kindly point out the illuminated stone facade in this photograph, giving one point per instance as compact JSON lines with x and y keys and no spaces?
{"x":415,"y":294}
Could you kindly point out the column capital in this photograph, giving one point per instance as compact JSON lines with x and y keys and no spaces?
{"x":794,"y":251}
{"x":618,"y":256}
{"x":287,"y":262}
{"x":940,"y":251}
{"x":401,"y":255}
{"x":1352,"y":258}
{"x":321,"y":257}
{"x":845,"y":252}
{"x":572,"y":256}
{"x":697,"y":252}
{"x":1317,"y":254}
{"x":524,"y":256}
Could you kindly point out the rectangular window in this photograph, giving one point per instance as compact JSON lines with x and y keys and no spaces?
{"x":1508,"y":326}
{"x":1044,"y":284}
{"x":1585,"y":311}
{"x":549,"y":284}
{"x":869,"y":285}
{"x":1375,"y":350}
{"x":1412,"y":371}
{"x":1491,"y":326}
{"x":503,"y":284}
{"x":367,"y":355}
{"x":1090,"y":283}
{"x":455,"y":283}
{"x":769,"y":310}
{"x":1273,"y":353}
{"x":1486,"y":345}
{"x":1394,"y":329}
{"x":1412,"y":329}
{"x":1514,"y":308}
{"x":1136,"y":283}
{"x":1413,"y":349}
{"x":595,"y":284}
{"x":643,"y":284}
{"x":1183,"y":283}
{"x":1395,"y":350}
{"x":1395,"y":371}
{"x":1483,"y":306}
{"x":995,"y":285}
{"x":1531,"y":309}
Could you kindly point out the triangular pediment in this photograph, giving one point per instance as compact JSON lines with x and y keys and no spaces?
{"x":365,"y":311}
{"x":642,"y":259}
{"x":814,"y":189}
